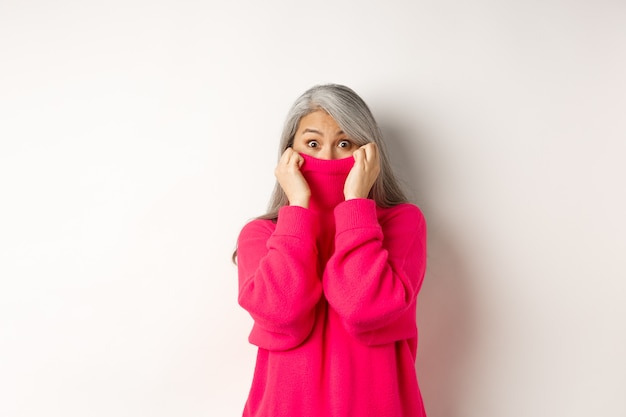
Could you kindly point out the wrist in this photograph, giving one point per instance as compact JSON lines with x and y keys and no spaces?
{"x":300,"y":202}
{"x":354,"y":195}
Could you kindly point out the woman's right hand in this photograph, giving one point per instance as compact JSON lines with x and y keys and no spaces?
{"x":291,"y":179}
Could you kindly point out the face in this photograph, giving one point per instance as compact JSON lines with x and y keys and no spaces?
{"x":318,"y":135}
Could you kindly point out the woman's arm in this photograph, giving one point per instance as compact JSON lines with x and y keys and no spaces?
{"x":279,"y":283}
{"x":373,"y":278}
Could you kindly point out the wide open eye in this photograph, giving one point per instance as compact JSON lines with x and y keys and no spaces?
{"x":344,"y":144}
{"x":312,"y":144}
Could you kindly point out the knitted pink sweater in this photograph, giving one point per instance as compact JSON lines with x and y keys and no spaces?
{"x":332,"y":290}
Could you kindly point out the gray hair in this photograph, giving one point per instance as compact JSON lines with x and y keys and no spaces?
{"x":356,"y":120}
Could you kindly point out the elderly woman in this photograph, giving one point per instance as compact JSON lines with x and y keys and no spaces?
{"x":331,"y":273}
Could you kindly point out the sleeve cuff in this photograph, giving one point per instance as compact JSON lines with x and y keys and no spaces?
{"x":296,"y":221}
{"x":356,"y":214}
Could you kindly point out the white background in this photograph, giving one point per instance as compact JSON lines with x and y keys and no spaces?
{"x":137,"y":137}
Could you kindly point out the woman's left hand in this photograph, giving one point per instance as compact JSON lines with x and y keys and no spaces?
{"x":363,"y":174}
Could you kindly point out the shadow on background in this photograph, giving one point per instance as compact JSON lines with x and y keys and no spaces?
{"x":445,"y":312}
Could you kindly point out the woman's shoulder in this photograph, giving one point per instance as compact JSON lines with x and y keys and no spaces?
{"x":403,"y":211}
{"x":258,"y":226}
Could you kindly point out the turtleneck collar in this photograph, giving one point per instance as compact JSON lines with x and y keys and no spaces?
{"x":326,"y":178}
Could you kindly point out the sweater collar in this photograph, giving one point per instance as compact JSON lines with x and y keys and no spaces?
{"x":326,"y":178}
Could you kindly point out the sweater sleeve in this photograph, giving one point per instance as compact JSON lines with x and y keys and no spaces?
{"x":373,"y":278}
{"x":279,"y":283}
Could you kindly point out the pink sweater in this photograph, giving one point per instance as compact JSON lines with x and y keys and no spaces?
{"x":332,"y":290}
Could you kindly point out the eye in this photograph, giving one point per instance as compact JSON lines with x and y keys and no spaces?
{"x":344,"y":144}
{"x":312,"y":144}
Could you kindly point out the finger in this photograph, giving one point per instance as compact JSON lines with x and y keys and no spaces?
{"x":294,"y":159}
{"x":359,"y":156}
{"x":284,"y":158}
{"x":371,"y":151}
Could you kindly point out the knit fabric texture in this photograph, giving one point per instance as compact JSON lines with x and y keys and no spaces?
{"x":332,"y":290}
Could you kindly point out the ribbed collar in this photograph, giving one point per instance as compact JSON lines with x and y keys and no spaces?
{"x":326,"y":178}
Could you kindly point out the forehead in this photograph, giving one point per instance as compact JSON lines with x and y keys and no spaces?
{"x":318,"y":120}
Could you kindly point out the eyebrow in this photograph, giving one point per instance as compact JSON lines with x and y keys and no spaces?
{"x":309,"y":130}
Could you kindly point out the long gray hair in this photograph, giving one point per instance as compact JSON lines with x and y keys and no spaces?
{"x":356,"y":120}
